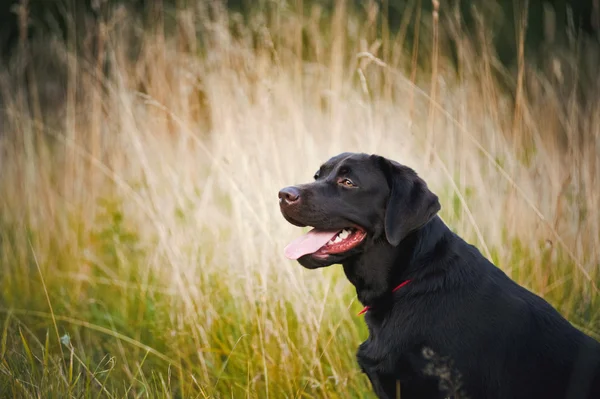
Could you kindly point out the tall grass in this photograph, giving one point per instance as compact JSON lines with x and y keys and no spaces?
{"x":140,"y":237}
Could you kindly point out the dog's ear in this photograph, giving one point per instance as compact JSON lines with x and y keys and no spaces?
{"x":411,"y":204}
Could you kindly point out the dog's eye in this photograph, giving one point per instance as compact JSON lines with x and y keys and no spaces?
{"x":347,"y":183}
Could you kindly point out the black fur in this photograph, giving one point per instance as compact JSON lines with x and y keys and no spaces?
{"x":461,"y":327}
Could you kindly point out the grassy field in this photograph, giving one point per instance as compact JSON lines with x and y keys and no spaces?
{"x":141,"y":245}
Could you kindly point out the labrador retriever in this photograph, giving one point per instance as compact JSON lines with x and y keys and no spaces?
{"x":443,"y":320}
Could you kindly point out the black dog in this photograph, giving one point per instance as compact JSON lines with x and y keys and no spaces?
{"x":443,"y":320}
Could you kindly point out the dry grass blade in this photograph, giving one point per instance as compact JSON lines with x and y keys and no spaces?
{"x":47,"y":298}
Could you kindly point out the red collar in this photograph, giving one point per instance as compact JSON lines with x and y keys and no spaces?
{"x":394,"y":290}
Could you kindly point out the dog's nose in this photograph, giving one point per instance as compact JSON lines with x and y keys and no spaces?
{"x":288,"y":196}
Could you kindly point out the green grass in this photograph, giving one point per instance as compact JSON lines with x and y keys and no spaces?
{"x":141,"y":245}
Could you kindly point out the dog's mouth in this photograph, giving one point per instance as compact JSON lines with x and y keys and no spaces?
{"x":321,"y":243}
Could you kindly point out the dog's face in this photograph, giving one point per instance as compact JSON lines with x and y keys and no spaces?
{"x":356,"y":200}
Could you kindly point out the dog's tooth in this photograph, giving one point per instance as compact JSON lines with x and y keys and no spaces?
{"x":337,"y":239}
{"x":345,"y":233}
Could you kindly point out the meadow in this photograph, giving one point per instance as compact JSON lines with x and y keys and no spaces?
{"x":141,"y":244}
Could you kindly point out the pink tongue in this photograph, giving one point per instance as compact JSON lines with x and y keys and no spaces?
{"x":309,"y":243}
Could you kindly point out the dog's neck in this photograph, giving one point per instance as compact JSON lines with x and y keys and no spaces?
{"x":375,"y":280}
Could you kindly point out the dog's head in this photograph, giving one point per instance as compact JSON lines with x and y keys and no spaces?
{"x":356,"y":200}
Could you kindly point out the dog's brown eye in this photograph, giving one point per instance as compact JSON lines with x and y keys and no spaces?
{"x":347,"y":183}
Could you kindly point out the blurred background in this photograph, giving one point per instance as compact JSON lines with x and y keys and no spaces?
{"x":143,"y":143}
